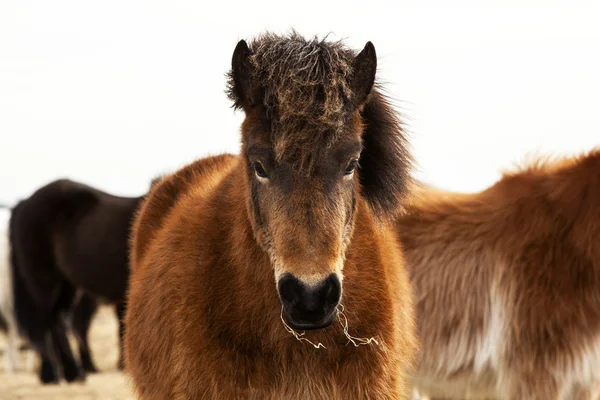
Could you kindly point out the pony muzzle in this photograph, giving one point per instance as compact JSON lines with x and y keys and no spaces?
{"x":309,"y":307}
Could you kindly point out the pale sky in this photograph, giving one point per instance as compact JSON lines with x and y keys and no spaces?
{"x":112,"y":93}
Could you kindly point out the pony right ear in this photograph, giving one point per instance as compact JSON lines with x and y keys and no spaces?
{"x":364,"y":69}
{"x":240,"y":86}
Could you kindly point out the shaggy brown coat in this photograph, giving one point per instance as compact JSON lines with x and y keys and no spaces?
{"x":204,"y":319}
{"x":508,"y":284}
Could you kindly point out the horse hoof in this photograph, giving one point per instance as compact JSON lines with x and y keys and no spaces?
{"x":74,"y":376}
{"x":48,"y":379}
{"x":91,"y":369}
{"x":48,"y":375}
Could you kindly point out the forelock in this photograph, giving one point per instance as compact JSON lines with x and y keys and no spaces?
{"x":306,"y":92}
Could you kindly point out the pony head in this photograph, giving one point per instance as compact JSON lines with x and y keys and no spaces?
{"x":316,"y":139}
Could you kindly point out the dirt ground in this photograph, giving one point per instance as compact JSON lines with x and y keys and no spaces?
{"x":109,"y":384}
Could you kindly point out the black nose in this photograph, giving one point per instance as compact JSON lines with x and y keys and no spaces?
{"x":309,"y":307}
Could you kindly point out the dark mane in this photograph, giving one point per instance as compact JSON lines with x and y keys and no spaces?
{"x":304,"y":86}
{"x":385,"y":163}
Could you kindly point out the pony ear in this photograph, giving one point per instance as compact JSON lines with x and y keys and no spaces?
{"x":241,"y":88}
{"x":363,"y":76}
{"x":385,"y":162}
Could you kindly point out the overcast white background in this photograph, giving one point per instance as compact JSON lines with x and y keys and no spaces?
{"x":113,"y":92}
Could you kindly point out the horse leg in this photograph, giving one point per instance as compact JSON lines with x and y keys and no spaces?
{"x":34,"y":316}
{"x":83,"y":313}
{"x":42,"y":344}
{"x":120,"y":310}
{"x":40,"y":337}
{"x":71,"y":369}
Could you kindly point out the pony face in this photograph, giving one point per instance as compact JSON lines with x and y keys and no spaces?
{"x":302,"y":141}
{"x":304,"y":221}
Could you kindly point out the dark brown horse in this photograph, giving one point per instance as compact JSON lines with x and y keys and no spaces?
{"x":69,"y":246}
{"x":254,"y":276}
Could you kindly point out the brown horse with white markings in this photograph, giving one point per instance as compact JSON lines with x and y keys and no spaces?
{"x":276,"y":273}
{"x":508,"y":284}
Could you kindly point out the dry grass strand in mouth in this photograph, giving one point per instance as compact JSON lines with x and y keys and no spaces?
{"x":299,"y":336}
{"x":356,"y":341}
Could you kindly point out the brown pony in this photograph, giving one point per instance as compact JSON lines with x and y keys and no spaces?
{"x":508,"y":284}
{"x":276,"y":273}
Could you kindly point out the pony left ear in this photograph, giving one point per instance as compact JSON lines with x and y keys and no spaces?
{"x":363,"y":76}
{"x":241,"y":88}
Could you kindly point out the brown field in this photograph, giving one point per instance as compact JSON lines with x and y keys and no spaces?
{"x":109,"y":384}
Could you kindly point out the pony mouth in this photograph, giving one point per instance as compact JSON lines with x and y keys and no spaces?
{"x":308,"y":324}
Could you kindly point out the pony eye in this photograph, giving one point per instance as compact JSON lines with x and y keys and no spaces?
{"x":259,"y":169}
{"x":351,"y":167}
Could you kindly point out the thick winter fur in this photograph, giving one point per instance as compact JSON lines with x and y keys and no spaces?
{"x":508,"y":284}
{"x":204,"y":319}
{"x":69,"y":246}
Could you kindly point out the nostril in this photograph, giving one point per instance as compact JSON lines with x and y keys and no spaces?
{"x":290,"y":290}
{"x":332,"y":291}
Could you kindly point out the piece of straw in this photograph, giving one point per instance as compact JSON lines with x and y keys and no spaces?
{"x":299,"y":335}
{"x":356,"y":341}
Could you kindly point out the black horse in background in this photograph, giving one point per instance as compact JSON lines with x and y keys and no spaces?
{"x":69,"y":249}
